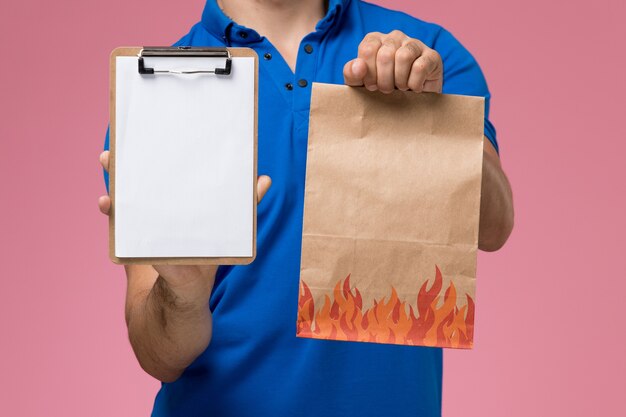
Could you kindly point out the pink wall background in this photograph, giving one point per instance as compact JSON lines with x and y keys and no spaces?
{"x":550,"y":306}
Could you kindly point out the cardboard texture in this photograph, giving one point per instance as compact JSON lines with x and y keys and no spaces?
{"x":391,"y":212}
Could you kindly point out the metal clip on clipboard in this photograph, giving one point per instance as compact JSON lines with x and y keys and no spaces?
{"x":184,"y":51}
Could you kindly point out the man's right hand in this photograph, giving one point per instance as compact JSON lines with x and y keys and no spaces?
{"x":167,"y":312}
{"x":177,"y":275}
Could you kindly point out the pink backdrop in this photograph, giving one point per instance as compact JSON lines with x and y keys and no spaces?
{"x":550,"y":336}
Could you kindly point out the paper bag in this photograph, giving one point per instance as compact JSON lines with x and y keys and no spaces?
{"x":391,"y":211}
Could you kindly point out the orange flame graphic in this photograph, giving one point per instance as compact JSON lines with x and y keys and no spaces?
{"x":389,"y":321}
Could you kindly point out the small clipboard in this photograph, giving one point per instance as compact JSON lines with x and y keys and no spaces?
{"x":183,"y":155}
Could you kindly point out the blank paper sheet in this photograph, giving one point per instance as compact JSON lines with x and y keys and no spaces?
{"x":184,"y":160}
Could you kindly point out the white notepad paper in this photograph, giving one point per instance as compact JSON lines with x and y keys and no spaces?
{"x":184,"y":159}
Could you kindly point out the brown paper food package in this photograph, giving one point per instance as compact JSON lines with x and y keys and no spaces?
{"x":391,"y":212}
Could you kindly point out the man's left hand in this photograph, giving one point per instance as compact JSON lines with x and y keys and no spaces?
{"x":394,"y":60}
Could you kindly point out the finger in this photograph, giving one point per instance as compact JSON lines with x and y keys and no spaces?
{"x":354,"y":71}
{"x":385,"y":63}
{"x":368,"y":50}
{"x":263,"y":184}
{"x":104,"y":160}
{"x":434,"y":81}
{"x":104,"y":204}
{"x":433,"y":86}
{"x":420,"y":71}
{"x":405,"y":56}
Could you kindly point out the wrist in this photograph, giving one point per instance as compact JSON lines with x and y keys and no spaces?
{"x":182,"y":295}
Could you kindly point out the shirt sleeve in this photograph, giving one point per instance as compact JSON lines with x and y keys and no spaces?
{"x":106,"y":148}
{"x":462,"y":75}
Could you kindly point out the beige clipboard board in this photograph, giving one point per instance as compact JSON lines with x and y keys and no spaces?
{"x":138,"y":52}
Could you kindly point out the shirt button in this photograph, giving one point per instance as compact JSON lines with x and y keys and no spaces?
{"x":308,"y":48}
{"x":243,"y":34}
{"x":302,"y":83}
{"x":289,"y":86}
{"x":267,"y":56}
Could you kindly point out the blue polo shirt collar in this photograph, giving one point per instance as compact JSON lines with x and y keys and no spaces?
{"x":217,"y":23}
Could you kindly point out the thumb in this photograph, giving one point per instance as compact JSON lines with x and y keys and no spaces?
{"x":354,"y":72}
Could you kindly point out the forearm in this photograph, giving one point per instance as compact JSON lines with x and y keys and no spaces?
{"x":496,"y":205}
{"x":169,"y":328}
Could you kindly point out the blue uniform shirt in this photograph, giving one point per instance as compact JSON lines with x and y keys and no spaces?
{"x":255,"y":365}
